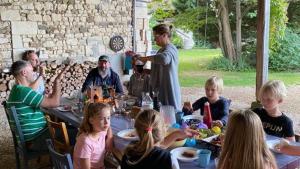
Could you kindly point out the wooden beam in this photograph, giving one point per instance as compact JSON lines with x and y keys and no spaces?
{"x":262,"y":47}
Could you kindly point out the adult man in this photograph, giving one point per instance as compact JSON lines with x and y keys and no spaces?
{"x":39,"y":71}
{"x":28,"y":102}
{"x":103,"y":76}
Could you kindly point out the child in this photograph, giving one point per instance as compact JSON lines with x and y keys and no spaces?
{"x":94,"y":137}
{"x":274,"y":121}
{"x":139,"y":81}
{"x":244,"y":145}
{"x":219,"y":106}
{"x":147,"y":153}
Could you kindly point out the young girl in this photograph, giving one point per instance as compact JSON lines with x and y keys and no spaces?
{"x":94,"y":138}
{"x":244,"y":145}
{"x":219,"y":105}
{"x":147,"y":152}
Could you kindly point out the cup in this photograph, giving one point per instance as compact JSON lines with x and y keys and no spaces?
{"x":168,"y":113}
{"x":203,"y":158}
{"x":179,"y":116}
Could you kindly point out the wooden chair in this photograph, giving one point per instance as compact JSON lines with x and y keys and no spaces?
{"x":61,"y":141}
{"x":59,"y":161}
{"x":113,"y":160}
{"x":21,"y":149}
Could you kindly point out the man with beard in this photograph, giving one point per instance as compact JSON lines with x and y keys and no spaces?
{"x":103,"y":76}
{"x":39,"y":71}
{"x":28,"y":103}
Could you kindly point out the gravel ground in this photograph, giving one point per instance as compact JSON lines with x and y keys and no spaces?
{"x":241,"y":98}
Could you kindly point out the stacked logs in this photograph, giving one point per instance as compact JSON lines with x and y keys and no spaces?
{"x":71,"y":83}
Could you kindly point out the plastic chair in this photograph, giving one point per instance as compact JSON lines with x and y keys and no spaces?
{"x":18,"y":138}
{"x":61,"y":141}
{"x":59,"y":161}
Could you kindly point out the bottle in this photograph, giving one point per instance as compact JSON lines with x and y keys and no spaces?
{"x":147,"y":102}
{"x":156,"y":105}
{"x":207,"y":115}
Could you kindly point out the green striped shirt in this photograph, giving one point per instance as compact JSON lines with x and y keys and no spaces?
{"x":27,"y":103}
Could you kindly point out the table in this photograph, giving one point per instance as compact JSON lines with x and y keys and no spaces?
{"x":119,"y":123}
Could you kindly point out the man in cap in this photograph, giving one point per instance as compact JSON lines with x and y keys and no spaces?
{"x":103,"y":76}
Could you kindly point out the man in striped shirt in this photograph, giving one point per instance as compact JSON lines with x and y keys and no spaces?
{"x":28,"y":102}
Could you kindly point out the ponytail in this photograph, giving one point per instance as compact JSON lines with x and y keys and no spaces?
{"x":148,"y":127}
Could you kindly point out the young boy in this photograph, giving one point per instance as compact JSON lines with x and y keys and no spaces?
{"x":274,"y":121}
{"x":219,"y":106}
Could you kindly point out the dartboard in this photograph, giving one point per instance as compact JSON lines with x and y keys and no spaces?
{"x":116,"y":43}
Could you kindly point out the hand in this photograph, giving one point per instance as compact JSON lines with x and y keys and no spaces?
{"x":283,"y":143}
{"x":61,"y":74}
{"x":182,"y":134}
{"x":188,"y":106}
{"x":42,"y":70}
{"x":130,"y":53}
{"x":217,"y":123}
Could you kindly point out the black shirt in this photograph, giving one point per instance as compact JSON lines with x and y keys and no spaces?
{"x":281,"y":126}
{"x":219,"y":109}
{"x":158,"y":158}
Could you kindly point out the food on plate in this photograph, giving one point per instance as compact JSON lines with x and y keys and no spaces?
{"x":216,"y":141}
{"x":130,"y":134}
{"x":216,"y":130}
{"x":189,"y":154}
{"x":204,"y":133}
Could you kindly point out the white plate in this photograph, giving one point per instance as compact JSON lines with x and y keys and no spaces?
{"x":124,"y":134}
{"x":272,"y":143}
{"x":177,"y":152}
{"x":184,"y":118}
{"x":61,"y":108}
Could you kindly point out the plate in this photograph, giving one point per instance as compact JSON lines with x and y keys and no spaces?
{"x":178,"y":153}
{"x":125,"y":134}
{"x":62,"y":108}
{"x":272,"y":143}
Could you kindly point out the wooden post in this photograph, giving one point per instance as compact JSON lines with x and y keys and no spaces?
{"x":262,"y":47}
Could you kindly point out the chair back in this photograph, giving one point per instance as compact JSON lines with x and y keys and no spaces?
{"x":61,"y":143}
{"x":59,"y":161}
{"x":15,"y":127}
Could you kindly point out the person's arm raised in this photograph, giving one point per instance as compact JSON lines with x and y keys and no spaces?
{"x":54,"y":98}
{"x":35,"y":84}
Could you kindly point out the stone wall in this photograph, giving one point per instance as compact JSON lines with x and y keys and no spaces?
{"x":79,"y":29}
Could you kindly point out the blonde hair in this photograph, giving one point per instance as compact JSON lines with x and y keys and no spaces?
{"x":244,"y":145}
{"x":273,"y":88}
{"x":92,"y":110}
{"x":149,"y":128}
{"x":215,"y":81}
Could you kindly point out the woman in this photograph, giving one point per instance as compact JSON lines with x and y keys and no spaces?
{"x":244,"y":145}
{"x":164,"y":68}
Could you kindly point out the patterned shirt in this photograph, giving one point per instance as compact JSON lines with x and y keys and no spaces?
{"x":27,"y":103}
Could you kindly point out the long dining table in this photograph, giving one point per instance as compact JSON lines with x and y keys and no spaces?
{"x":120,"y":122}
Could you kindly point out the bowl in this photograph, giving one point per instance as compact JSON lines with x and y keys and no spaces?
{"x":130,"y":102}
{"x":192,"y":120}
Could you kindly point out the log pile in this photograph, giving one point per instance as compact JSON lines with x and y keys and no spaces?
{"x":71,"y":83}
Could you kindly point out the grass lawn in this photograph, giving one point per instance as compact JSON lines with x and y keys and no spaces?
{"x":193,"y":72}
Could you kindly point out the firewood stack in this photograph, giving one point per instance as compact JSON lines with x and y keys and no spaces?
{"x":71,"y":83}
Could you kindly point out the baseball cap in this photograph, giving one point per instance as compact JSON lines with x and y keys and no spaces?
{"x":104,"y":58}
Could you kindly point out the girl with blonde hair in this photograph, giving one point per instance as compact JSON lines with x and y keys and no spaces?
{"x":95,"y":137}
{"x":148,"y":152}
{"x":244,"y":144}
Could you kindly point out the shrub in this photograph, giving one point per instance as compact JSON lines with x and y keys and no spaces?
{"x":202,"y":44}
{"x":222,"y":63}
{"x":287,"y":57}
{"x":177,"y":41}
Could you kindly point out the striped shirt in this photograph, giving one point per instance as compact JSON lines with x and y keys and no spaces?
{"x":27,"y":103}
